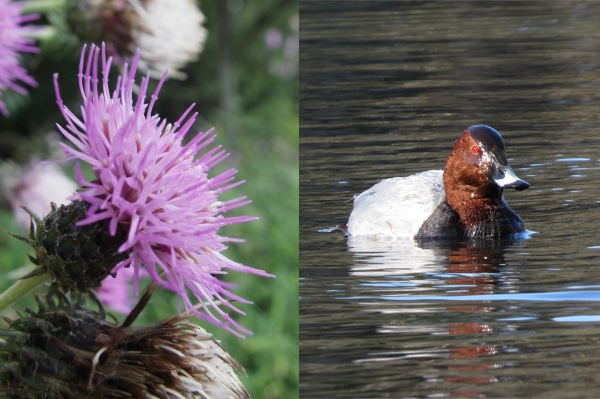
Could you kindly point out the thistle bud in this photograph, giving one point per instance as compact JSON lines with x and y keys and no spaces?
{"x":76,"y":257}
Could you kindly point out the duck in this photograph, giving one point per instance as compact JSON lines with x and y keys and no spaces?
{"x":463,"y":201}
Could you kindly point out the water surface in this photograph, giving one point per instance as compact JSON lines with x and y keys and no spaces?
{"x":386,"y":88}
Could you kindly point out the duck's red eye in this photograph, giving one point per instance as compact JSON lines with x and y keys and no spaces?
{"x":475,"y":149}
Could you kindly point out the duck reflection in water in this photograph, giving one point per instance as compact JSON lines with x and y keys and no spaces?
{"x":458,"y":267}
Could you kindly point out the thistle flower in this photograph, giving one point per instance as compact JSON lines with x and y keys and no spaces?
{"x":64,"y":350}
{"x":34,"y":187}
{"x":150,"y":185}
{"x":14,"y":41}
{"x":168,"y":33}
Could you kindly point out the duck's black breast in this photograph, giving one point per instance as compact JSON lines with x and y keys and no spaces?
{"x":444,"y":222}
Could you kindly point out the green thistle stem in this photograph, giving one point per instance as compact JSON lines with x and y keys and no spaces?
{"x":143,"y":301}
{"x":20,"y":288}
{"x":41,"y":6}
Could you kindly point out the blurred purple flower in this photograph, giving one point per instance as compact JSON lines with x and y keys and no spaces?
{"x":34,"y":187}
{"x":13,"y":41}
{"x":273,"y":38}
{"x":148,"y":183}
{"x":116,"y":291}
{"x":285,"y":49}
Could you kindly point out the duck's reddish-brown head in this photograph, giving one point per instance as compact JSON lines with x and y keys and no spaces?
{"x":477,"y":167}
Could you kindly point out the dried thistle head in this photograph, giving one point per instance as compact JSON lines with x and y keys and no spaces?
{"x":169,"y":33}
{"x":65,"y":350}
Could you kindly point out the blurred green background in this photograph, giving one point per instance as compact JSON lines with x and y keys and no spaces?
{"x":245,"y":83}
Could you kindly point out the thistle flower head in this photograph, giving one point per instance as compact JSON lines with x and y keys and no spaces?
{"x":14,"y":41}
{"x":168,"y":33}
{"x":151,"y":185}
{"x":64,"y":350}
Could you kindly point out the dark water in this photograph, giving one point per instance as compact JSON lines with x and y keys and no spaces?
{"x":386,"y":88}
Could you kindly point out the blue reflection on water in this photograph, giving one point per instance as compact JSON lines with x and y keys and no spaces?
{"x":578,"y":318}
{"x":539,"y":297}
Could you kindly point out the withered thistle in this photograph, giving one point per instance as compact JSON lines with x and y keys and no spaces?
{"x":63,"y":350}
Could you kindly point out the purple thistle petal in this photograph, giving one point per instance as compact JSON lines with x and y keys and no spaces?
{"x":156,"y":188}
{"x":94,"y":218}
{"x":15,"y":39}
{"x":115,"y":291}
